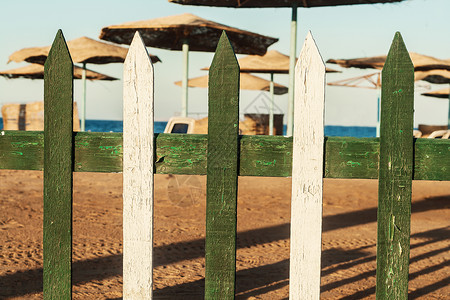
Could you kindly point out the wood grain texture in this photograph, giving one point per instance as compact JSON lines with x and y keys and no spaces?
{"x":307,"y":174}
{"x":58,"y":158}
{"x":345,"y":157}
{"x":222,"y":173}
{"x":138,"y":164}
{"x":396,"y":167}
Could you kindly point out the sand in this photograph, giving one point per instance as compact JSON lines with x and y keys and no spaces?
{"x":348,"y":240}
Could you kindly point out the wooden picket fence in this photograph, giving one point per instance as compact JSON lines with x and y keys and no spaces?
{"x":395,"y":159}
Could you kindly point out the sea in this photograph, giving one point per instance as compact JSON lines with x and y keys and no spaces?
{"x":330,"y":130}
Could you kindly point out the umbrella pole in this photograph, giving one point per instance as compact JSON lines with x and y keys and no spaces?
{"x":292,"y":56}
{"x":448,"y":122}
{"x":184,"y":83}
{"x":83,"y":103}
{"x":378,"y":111}
{"x":271,"y":105}
{"x":378,"y":86}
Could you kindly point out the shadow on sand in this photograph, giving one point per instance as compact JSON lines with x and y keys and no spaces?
{"x":249,"y":281}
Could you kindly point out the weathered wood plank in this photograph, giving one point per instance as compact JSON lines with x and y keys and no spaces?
{"x":345,"y":157}
{"x":22,"y":150}
{"x":307,"y":174}
{"x":431,"y":159}
{"x":58,"y":124}
{"x":396,"y":167}
{"x":138,"y":164}
{"x":98,"y":152}
{"x":349,"y":157}
{"x":222,"y":173}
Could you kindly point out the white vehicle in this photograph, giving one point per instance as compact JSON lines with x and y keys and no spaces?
{"x":180,"y":125}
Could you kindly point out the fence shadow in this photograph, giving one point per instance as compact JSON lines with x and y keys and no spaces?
{"x":30,"y":281}
{"x":435,"y":235}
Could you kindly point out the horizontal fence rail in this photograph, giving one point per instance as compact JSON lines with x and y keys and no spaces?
{"x":345,"y":157}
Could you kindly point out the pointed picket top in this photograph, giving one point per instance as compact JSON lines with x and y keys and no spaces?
{"x":309,"y":56}
{"x":137,"y":51}
{"x":224,"y":56}
{"x":395,"y":173}
{"x":138,"y":165}
{"x":59,"y":52}
{"x":58,"y":168}
{"x":398,"y":55}
{"x":307,"y":174}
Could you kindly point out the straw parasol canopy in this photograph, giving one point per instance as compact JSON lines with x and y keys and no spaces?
{"x":172,"y":32}
{"x":373,"y":80}
{"x":426,"y":68}
{"x":82,"y":50}
{"x":284,"y":3}
{"x":433,"y":76}
{"x":444,"y":93}
{"x":271,"y":62}
{"x":36,"y":71}
{"x":421,"y":62}
{"x":187,"y":32}
{"x":247,"y":82}
{"x":294,"y":4}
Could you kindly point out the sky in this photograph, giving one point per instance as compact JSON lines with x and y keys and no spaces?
{"x":340,"y":32}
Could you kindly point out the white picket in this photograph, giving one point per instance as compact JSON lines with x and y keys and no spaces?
{"x":138,"y":160}
{"x":307,"y":174}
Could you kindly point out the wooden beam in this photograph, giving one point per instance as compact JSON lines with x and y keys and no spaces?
{"x":345,"y":157}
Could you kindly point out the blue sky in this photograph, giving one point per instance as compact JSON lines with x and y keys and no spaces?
{"x":340,"y":32}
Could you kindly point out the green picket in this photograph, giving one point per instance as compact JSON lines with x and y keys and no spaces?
{"x":58,"y":157}
{"x":222,"y":173}
{"x":395,"y":174}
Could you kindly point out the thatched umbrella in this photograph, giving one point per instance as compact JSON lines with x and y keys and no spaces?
{"x":421,"y":62}
{"x":433,"y":76}
{"x":36,"y":71}
{"x":285,"y":3}
{"x":246,"y":82}
{"x":426,"y":68}
{"x":83,"y":50}
{"x":444,"y":94}
{"x":273,"y":62}
{"x":187,"y":32}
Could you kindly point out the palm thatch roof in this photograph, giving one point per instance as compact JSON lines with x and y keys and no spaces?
{"x":277,"y":3}
{"x":36,"y":71}
{"x":444,"y":93}
{"x":82,"y":50}
{"x":247,"y":82}
{"x":201,"y":34}
{"x":421,"y":62}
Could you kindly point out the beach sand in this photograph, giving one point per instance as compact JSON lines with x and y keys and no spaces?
{"x":348,"y":240}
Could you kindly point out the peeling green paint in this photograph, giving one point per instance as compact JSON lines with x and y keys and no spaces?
{"x":353,"y":164}
{"x":114,"y":149}
{"x":266,"y":163}
{"x":83,"y":144}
